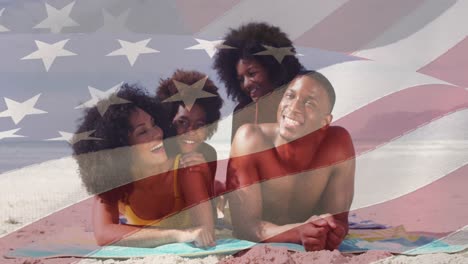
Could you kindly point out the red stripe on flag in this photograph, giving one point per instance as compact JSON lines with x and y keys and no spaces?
{"x":439,"y":207}
{"x":451,"y":66}
{"x":66,"y":228}
{"x":355,"y":24}
{"x":198,"y":14}
{"x":394,"y":115}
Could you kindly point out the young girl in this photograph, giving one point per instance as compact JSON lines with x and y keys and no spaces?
{"x":193,"y":124}
{"x":129,"y":170}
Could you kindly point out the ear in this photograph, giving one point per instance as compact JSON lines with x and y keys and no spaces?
{"x":326,"y":121}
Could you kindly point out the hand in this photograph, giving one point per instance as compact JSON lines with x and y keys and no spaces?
{"x":335,"y":237}
{"x":324,"y":220}
{"x":195,"y":162}
{"x":336,"y":231}
{"x":204,"y":237}
{"x":313,"y":237}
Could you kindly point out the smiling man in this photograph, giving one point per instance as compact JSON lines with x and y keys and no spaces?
{"x":293,"y":181}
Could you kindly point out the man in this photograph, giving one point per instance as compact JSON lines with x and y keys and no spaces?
{"x":293,"y":181}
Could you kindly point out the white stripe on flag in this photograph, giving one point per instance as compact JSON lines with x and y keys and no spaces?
{"x":358,"y":83}
{"x":412,"y":161}
{"x":355,"y":24}
{"x":39,"y":190}
{"x":306,"y":14}
{"x":425,"y":45}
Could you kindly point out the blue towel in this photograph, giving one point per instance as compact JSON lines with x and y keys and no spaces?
{"x":356,"y":223}
{"x":423,"y":245}
{"x":223,"y":247}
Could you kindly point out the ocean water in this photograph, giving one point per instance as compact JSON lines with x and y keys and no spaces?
{"x":15,"y":155}
{"x":19,"y":154}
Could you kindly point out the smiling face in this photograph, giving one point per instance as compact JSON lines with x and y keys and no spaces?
{"x":253,"y":79}
{"x":304,"y":108}
{"x":146,"y":139}
{"x":191,"y":128}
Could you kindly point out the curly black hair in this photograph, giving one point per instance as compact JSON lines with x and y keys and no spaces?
{"x":211,"y":105}
{"x":248,"y":40}
{"x":104,"y":164}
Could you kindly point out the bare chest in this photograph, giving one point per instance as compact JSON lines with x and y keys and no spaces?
{"x":292,"y":197}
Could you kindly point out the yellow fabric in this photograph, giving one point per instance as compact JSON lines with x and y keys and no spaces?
{"x":179,"y":219}
{"x":380,"y":234}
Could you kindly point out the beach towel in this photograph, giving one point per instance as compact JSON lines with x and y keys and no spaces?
{"x":223,"y":247}
{"x":395,"y":240}
{"x":355,"y":222}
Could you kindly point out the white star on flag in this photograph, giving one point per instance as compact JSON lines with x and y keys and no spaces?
{"x":103,"y":99}
{"x":9,"y":134}
{"x":49,"y":52}
{"x":189,"y":93}
{"x":278,"y":53}
{"x":74,"y":138}
{"x":2,"y":28}
{"x":114,"y":24}
{"x":17,"y":111}
{"x":57,"y":19}
{"x":209,"y":46}
{"x":132,"y":50}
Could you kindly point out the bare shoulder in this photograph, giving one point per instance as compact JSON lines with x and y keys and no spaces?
{"x":338,"y":132}
{"x":269,"y":130}
{"x":338,"y":143}
{"x":251,"y":138}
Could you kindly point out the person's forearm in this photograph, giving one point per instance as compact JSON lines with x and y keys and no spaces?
{"x":203,"y":214}
{"x":198,"y":199}
{"x":286,"y":233}
{"x":342,"y":220}
{"x":131,"y":236}
{"x":268,"y":232}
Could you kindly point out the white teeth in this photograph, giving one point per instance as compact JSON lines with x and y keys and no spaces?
{"x":189,"y":141}
{"x":157,"y":147}
{"x":291,"y":122}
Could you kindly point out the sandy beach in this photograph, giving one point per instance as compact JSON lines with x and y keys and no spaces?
{"x":57,"y":193}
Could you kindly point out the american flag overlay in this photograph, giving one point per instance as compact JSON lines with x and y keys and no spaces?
{"x":399,"y":68}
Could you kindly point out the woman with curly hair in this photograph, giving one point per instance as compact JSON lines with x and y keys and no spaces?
{"x":193,"y":124}
{"x":251,"y":72}
{"x":125,"y":164}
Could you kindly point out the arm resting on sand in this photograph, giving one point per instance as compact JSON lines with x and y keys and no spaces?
{"x":338,"y":195}
{"x":196,"y":195}
{"x":246,"y":213}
